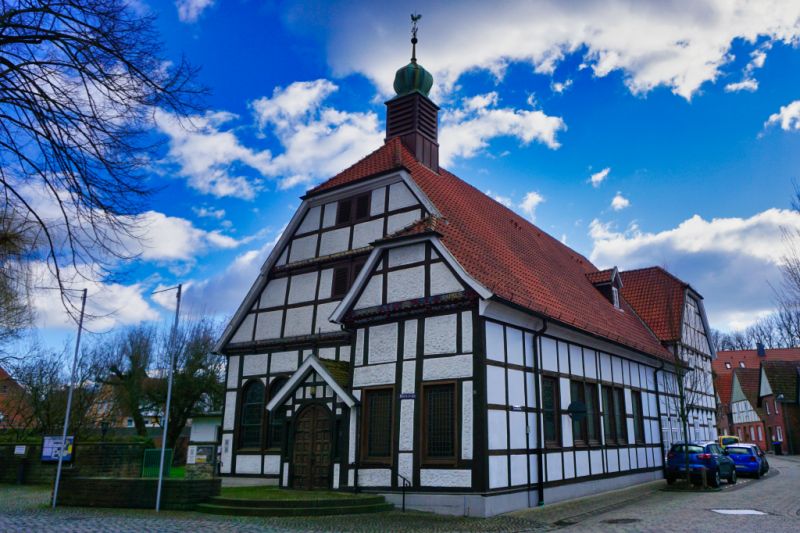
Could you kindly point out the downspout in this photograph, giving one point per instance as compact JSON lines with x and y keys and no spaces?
{"x":660,"y":418}
{"x":539,"y":448}
{"x":357,"y":433}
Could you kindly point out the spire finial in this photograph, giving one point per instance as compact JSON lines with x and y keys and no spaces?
{"x":414,"y":19}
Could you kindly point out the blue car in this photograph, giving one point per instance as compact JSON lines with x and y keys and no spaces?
{"x":749,"y":459}
{"x":702,"y":455}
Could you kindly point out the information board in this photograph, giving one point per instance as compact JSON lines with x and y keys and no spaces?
{"x":51,"y":448}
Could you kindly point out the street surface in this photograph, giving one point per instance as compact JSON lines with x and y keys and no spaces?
{"x":643,"y":508}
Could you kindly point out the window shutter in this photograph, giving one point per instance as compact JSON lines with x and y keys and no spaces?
{"x":343,"y":211}
{"x":362,"y":207}
{"x":341,"y":281}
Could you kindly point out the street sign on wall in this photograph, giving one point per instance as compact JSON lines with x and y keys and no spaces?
{"x":51,"y":448}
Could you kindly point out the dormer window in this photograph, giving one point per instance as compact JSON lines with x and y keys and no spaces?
{"x":727,"y":365}
{"x":741,"y":364}
{"x":344,"y":274}
{"x":615,"y":296}
{"x":353,"y":209}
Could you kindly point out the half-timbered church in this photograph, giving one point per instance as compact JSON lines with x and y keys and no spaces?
{"x":409,"y":332}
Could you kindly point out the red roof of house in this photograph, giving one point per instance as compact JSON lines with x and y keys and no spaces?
{"x":508,"y":255}
{"x":724,"y":386}
{"x":601,"y":276}
{"x":749,"y":379}
{"x":656,"y":296}
{"x":751,"y":359}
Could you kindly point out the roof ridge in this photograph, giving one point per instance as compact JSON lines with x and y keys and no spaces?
{"x":657,"y":268}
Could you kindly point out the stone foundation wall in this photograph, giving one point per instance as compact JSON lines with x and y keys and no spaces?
{"x":136,"y":492}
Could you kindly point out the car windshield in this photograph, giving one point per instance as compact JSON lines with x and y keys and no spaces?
{"x":732,"y":450}
{"x":680,"y":448}
{"x":729,"y":440}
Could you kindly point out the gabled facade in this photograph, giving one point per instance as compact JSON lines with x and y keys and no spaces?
{"x":408,"y":330}
{"x":779,"y":400}
{"x":748,"y":418}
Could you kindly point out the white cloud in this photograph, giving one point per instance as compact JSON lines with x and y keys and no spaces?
{"x":208,"y":212}
{"x":559,"y":87}
{"x":599,"y":177}
{"x":529,"y":204}
{"x":505,"y":200}
{"x":190,"y":10}
{"x":209,"y":157}
{"x":730,"y":261}
{"x":619,"y":202}
{"x":788,"y":117}
{"x":466,"y":130}
{"x":748,"y":84}
{"x":679,"y":45}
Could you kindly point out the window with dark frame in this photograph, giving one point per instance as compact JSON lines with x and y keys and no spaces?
{"x":585,"y":431}
{"x":439,"y":422}
{"x":378,"y":406}
{"x":353,"y":209}
{"x":638,"y":416}
{"x":250,"y":419}
{"x":277,"y":419}
{"x":614,"y":419}
{"x":550,"y":412}
{"x":344,"y":275}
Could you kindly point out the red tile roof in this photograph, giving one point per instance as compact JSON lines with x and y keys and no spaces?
{"x":601,"y":276}
{"x":507,"y":254}
{"x":782,"y":377}
{"x":724,"y":386}
{"x":751,"y":359}
{"x":657,"y":297}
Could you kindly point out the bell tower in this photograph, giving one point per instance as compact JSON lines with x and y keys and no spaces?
{"x":411,"y":115}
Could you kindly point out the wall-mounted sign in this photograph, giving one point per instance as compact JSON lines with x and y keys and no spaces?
{"x":21,"y":450}
{"x":191,"y":455}
{"x":51,"y":448}
{"x":407,"y":396}
{"x":517,"y":408}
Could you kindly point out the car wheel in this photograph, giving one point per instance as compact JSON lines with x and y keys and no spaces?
{"x":715,"y":479}
{"x":732,"y":479}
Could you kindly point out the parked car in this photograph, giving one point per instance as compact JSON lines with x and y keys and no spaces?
{"x":702,"y":455}
{"x":727,"y":440}
{"x":749,"y":459}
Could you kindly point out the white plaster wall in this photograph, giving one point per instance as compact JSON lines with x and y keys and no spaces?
{"x":230,"y":410}
{"x":445,"y":478}
{"x":605,"y":366}
{"x":590,"y":363}
{"x":576,"y":360}
{"x":533,"y":468}
{"x":378,"y":201}
{"x":563,"y":356}
{"x":225,"y":456}
{"x":530,"y":389}
{"x":641,"y":455}
{"x":440,"y":334}
{"x":516,"y":421}
{"x":248,"y":464}
{"x":612,"y":460}
{"x":409,"y":377}
{"x":311,"y":220}
{"x":406,"y":284}
{"x":303,"y":287}
{"x":498,"y":471}
{"x":596,"y":461}
{"x":382,"y":343}
{"x":335,"y":480}
{"x":410,"y":340}
{"x":400,"y":196}
{"x":284,"y":255}
{"x":404,"y":255}
{"x":443,"y":281}
{"x":334,"y":241}
{"x":298,"y":321}
{"x":519,"y":474}
{"x":324,"y":311}
{"x":569,"y":465}
{"x":457,"y":366}
{"x":495,"y":345}
{"x":533,"y":441}
{"x":582,"y":463}
{"x":366,"y":232}
{"x":497,"y":430}
{"x":553,"y":463}
{"x":495,"y":385}
{"x":374,"y":477}
{"x":516,"y":387}
{"x":351,"y":455}
{"x":303,"y":248}
{"x":284,"y":362}
{"x":406,"y":440}
{"x":549,"y":354}
{"x":274,"y":293}
{"x":405,"y":466}
{"x":272,"y":464}
{"x":359,"y":356}
{"x":268,"y":325}
{"x":616,"y":363}
{"x":285,"y":476}
{"x":329,"y":215}
{"x":514,"y":351}
{"x":624,"y":461}
{"x":401,"y":220}
{"x":372,"y":293}
{"x":255,"y":364}
{"x":466,"y":331}
{"x":566,"y":430}
{"x":233,"y":371}
{"x":466,"y":420}
{"x":245,"y":331}
{"x":366,"y":376}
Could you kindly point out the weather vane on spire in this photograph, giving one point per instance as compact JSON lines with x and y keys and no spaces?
{"x":414,"y":19}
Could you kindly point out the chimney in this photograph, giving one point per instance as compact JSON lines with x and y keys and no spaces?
{"x":760,"y":349}
{"x":411,"y":115}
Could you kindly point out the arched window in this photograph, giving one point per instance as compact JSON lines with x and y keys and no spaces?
{"x":277,"y":419}
{"x":250,"y":419}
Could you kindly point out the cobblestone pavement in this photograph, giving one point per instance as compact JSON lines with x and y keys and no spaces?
{"x":642,"y":508}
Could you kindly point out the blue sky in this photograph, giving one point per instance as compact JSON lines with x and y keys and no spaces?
{"x":687,"y":114}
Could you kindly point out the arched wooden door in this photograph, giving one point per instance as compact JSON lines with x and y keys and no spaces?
{"x":311,"y":458}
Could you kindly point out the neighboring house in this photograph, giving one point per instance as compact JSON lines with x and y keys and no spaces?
{"x":778,"y":396}
{"x":674,"y":312}
{"x":748,"y":418}
{"x":13,"y":403}
{"x":106,"y":409}
{"x":409,"y":330}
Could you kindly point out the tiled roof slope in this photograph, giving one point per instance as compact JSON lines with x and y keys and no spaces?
{"x":657,"y":297}
{"x":751,"y":358}
{"x":511,"y":257}
{"x":724,"y":385}
{"x":748,"y":379}
{"x":601,"y":276}
{"x":783,"y":376}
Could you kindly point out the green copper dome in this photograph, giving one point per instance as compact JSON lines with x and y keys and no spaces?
{"x":412,"y":77}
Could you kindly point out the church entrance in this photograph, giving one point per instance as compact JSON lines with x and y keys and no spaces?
{"x":311,"y":458}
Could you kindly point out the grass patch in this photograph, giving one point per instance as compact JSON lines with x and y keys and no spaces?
{"x":275,"y":493}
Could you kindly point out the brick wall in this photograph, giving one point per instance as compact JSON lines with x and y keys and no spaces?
{"x":90,"y":459}
{"x":136,"y":492}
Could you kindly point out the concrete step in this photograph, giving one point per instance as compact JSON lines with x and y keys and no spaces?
{"x":294,"y":510}
{"x":355,"y":501}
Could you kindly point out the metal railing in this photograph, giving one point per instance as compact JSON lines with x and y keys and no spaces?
{"x":406,"y":483}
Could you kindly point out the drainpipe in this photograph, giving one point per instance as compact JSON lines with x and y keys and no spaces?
{"x":539,"y":448}
{"x":357,"y":433}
